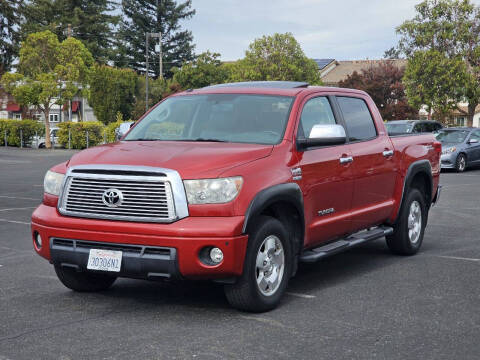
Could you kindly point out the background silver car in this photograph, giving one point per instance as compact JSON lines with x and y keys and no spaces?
{"x":460,"y":147}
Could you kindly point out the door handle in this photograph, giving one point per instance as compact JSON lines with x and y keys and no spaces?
{"x":388,"y":153}
{"x":346,"y":160}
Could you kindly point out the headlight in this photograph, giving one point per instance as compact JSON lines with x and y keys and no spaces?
{"x":53,"y":183}
{"x":212,"y":191}
{"x":449,"y":150}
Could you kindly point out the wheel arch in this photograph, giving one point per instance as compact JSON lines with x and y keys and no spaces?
{"x":283,"y":202}
{"x":419,"y":175}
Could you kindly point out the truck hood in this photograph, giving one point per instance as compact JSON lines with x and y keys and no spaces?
{"x":192,"y":160}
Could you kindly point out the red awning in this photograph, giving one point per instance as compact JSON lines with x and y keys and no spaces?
{"x":13,"y":107}
{"x":75,"y":105}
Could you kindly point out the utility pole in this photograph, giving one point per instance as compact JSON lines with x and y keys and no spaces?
{"x":147,"y":37}
{"x":160,"y":55}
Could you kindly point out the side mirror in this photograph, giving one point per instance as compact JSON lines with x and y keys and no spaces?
{"x":473,"y":141}
{"x":324,"y":135}
{"x":133,"y":123}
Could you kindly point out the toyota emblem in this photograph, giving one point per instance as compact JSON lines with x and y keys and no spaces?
{"x":112,"y":197}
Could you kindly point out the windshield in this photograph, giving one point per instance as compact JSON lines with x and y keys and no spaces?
{"x":399,"y":128}
{"x":257,"y":119}
{"x":452,"y":136}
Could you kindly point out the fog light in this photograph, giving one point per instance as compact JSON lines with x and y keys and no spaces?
{"x":216,"y":255}
{"x":38,"y":241}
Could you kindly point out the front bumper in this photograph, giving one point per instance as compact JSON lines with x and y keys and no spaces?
{"x":183,"y":240}
{"x":447,"y":161}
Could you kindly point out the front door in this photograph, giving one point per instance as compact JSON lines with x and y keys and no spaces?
{"x":326,"y":182}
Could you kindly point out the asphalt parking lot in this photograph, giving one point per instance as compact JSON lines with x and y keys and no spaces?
{"x":363,"y":304}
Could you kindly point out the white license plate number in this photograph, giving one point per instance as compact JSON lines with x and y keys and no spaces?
{"x":104,"y":260}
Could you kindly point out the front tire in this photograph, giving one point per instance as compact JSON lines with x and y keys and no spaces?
{"x":461,"y":163}
{"x":266,"y":270}
{"x":83,"y":281}
{"x":408,"y":233}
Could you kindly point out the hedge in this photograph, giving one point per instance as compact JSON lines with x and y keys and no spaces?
{"x":29,"y":129}
{"x":78,"y":133}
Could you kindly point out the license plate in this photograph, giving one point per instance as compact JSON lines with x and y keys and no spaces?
{"x":104,"y":260}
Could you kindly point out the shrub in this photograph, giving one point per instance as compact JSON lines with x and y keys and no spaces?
{"x":28,"y":127}
{"x":78,"y":133}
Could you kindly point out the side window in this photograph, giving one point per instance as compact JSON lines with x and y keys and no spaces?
{"x":359,"y":121}
{"x":316,"y":111}
{"x":475,"y":135}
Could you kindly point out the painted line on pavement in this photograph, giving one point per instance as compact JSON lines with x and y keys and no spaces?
{"x":21,"y":208}
{"x":304,"y":296}
{"x":15,"y":222}
{"x":18,"y":197}
{"x":458,"y":258}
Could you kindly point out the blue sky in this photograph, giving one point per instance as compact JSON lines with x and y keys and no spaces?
{"x":340,"y":29}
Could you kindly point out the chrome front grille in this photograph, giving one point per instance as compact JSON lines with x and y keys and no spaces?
{"x":109,"y":194}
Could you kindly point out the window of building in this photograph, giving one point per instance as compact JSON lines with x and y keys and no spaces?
{"x":359,"y":121}
{"x":17,"y":116}
{"x":53,"y":117}
{"x":317,"y":111}
{"x":37,"y":117}
{"x":460,"y":121}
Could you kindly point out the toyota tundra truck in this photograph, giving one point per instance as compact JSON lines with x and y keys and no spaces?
{"x":237,"y":183}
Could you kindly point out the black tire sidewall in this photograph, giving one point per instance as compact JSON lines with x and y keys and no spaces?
{"x":263,"y":228}
{"x":400,"y":241}
{"x":457,"y":162}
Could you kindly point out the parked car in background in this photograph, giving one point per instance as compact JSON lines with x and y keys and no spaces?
{"x":123,"y":129}
{"x":39,"y":141}
{"x":460,"y":147}
{"x":401,"y":127}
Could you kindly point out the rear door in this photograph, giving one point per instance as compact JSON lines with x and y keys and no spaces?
{"x":326,"y":182}
{"x":374,"y":168}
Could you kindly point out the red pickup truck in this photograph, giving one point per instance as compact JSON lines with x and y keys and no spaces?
{"x":237,"y":183}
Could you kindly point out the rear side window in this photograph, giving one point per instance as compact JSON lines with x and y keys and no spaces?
{"x":316,"y":111}
{"x":358,"y":119}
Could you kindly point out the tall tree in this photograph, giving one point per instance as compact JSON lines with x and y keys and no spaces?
{"x":112,"y":91}
{"x":435,"y":81}
{"x":9,"y":21}
{"x":384,"y":84}
{"x":450,"y":28}
{"x":276,"y":57}
{"x":155,"y":16}
{"x":49,"y":72}
{"x":90,"y":21}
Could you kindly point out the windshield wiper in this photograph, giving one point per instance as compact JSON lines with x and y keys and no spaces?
{"x":202,"y":139}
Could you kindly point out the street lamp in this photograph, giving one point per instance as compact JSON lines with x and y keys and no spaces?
{"x":159,"y":37}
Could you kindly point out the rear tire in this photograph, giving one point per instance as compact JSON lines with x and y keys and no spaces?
{"x":82,"y":281}
{"x":461,"y":163}
{"x":408,"y":233}
{"x":266,"y":270}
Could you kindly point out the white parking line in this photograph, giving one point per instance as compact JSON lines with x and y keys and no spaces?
{"x":458,"y":258}
{"x":18,"y":197}
{"x":15,"y":222}
{"x":304,"y":296}
{"x":22,"y":208}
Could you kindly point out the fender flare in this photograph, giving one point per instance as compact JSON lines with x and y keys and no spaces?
{"x":417,"y":167}
{"x":287,"y":192}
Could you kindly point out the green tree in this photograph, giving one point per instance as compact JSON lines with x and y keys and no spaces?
{"x":90,"y":21}
{"x":384,"y":84}
{"x":112,"y":90}
{"x":9,"y":21}
{"x":155,"y":16}
{"x":49,"y":72}
{"x":276,"y":57}
{"x":205,"y":70}
{"x":435,"y":81}
{"x":450,"y":28}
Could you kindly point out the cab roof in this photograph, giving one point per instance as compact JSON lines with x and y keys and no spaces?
{"x":282,"y":88}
